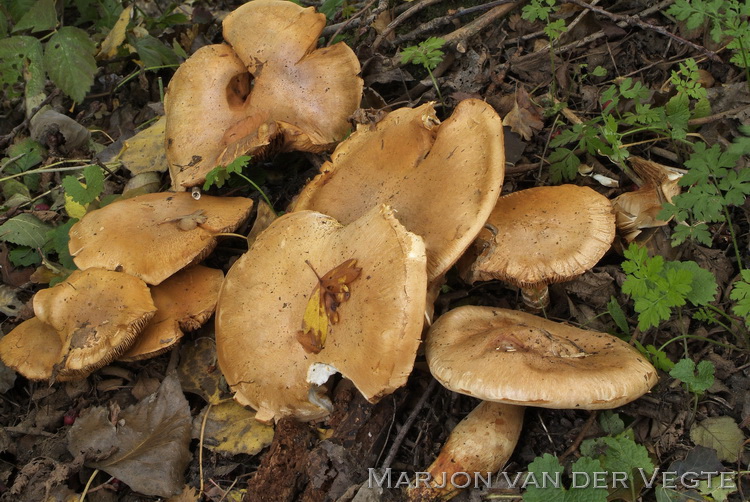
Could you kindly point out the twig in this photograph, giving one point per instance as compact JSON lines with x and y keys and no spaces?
{"x":348,"y":22}
{"x":407,"y":425}
{"x":717,"y":116}
{"x":636,"y":21}
{"x":579,"y":437}
{"x":6,"y":139}
{"x":418,"y":6}
{"x":335,"y":29}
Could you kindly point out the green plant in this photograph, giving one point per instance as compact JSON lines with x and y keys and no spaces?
{"x":543,"y":10}
{"x":428,"y":54}
{"x":221,"y":174}
{"x":698,"y":378}
{"x":658,"y":286}
{"x":725,"y":19}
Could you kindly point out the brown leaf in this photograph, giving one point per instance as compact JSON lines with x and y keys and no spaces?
{"x":146,"y":447}
{"x":524,"y":119}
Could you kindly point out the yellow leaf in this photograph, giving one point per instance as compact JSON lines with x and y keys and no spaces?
{"x":116,"y":35}
{"x":145,"y":151}
{"x":314,"y":330}
{"x":232,"y":429}
{"x":75,"y":209}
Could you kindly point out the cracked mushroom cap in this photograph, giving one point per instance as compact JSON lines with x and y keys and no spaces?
{"x":270,"y":87}
{"x":482,"y":442}
{"x":517,"y":358}
{"x":441,"y":179}
{"x":97,"y":315}
{"x":184,"y":302}
{"x":269,"y":291}
{"x":32,"y":349}
{"x":153,"y":236}
{"x":545,"y":235}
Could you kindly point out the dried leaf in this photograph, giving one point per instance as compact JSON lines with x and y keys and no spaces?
{"x":232,"y":429}
{"x":322,"y":306}
{"x":146,"y":447}
{"x":116,"y":35}
{"x":198,"y":370}
{"x":189,"y":494}
{"x":145,"y":151}
{"x":524,"y":119}
{"x":720,"y":433}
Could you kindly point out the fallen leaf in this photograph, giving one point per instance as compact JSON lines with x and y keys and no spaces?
{"x":116,"y":35}
{"x":147,"y":445}
{"x":322,"y":306}
{"x":145,"y":151}
{"x":720,"y":433}
{"x":524,"y":118}
{"x":198,"y":371}
{"x":232,"y":429}
{"x":189,"y":494}
{"x":264,"y":216}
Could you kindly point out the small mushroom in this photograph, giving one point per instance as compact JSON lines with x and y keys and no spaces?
{"x":481,"y":444}
{"x":32,"y":349}
{"x":300,"y":280}
{"x":441,"y":179}
{"x":270,"y":88}
{"x":544,"y":235}
{"x":153,"y":236}
{"x":184,"y":302}
{"x":518,"y":358}
{"x":97,"y":315}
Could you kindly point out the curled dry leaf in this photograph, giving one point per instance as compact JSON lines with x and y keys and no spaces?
{"x":232,"y":429}
{"x":524,"y":118}
{"x":146,"y":445}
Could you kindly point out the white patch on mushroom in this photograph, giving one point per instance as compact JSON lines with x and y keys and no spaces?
{"x":319,"y":373}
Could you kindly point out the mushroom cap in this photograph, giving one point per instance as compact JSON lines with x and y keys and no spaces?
{"x":482,"y":442}
{"x":264,"y":298}
{"x":546,"y":235}
{"x":271,"y":86}
{"x":517,"y":358}
{"x":32,"y":349}
{"x":441,"y":179}
{"x":184,"y":302}
{"x":97,"y":314}
{"x":153,"y":236}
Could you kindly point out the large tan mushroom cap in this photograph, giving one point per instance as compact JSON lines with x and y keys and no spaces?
{"x":271,"y":86}
{"x":184,"y":302}
{"x":518,"y":358}
{"x":264,"y":297}
{"x":153,"y":236}
{"x":97,"y":315}
{"x":482,"y":442}
{"x":546,"y":235}
{"x":441,"y":179}
{"x":32,"y":349}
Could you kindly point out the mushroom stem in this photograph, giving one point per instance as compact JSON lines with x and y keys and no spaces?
{"x":536,"y":298}
{"x":479,"y":445}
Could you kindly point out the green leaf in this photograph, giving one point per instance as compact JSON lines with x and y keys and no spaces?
{"x":330,"y":8}
{"x":427,"y":53}
{"x":25,"y":230}
{"x":611,"y":423}
{"x":657,"y":357}
{"x":21,"y":64}
{"x":88,"y":192}
{"x":69,"y":60}
{"x":678,"y":114}
{"x":599,"y":71}
{"x":546,"y":465}
{"x":220,"y":174}
{"x":3,"y":25}
{"x":40,"y":17}
{"x":15,"y":193}
{"x":152,"y":52}
{"x":24,"y":257}
{"x":58,"y":239}
{"x":619,"y":454}
{"x":563,"y":165}
{"x":703,"y":287}
{"x":741,"y":294}
{"x":618,"y":315}
{"x":698,"y":379}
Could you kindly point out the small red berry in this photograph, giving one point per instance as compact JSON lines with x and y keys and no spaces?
{"x":70,"y":417}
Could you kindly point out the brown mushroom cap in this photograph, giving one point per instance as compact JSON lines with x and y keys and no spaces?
{"x":482,"y":442}
{"x":271,"y":85}
{"x":264,"y":298}
{"x":441,"y":179}
{"x":546,"y":235}
{"x":517,"y":358}
{"x":153,"y":236}
{"x":184,"y":302}
{"x":97,"y":315}
{"x":32,"y":349}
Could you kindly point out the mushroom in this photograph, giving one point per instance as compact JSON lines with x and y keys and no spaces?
{"x":441,"y":179}
{"x":270,"y":88}
{"x":313,"y":297}
{"x":32,"y":349}
{"x":479,"y":445}
{"x":184,"y":302}
{"x":518,"y":358}
{"x":97,"y":314}
{"x":638,"y":210}
{"x":544,"y":235}
{"x":153,"y":236}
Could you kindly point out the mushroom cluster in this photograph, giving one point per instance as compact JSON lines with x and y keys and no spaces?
{"x":266,"y":89}
{"x":137,"y":289}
